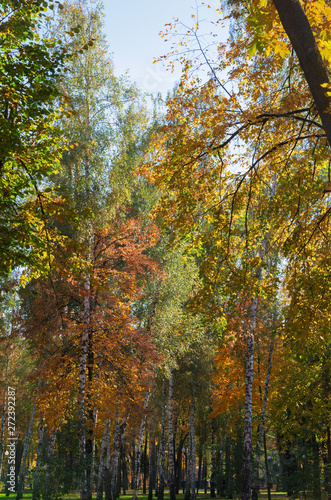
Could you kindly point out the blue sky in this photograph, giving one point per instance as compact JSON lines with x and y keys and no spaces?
{"x":133,"y":27}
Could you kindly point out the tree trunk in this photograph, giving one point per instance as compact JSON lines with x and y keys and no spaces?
{"x":248,"y":404}
{"x":256,"y":484}
{"x":316,"y":486}
{"x":36,"y":478}
{"x":188,"y":468}
{"x":267,"y":466}
{"x":199,"y":470}
{"x":103,"y":458}
{"x":145,"y":464}
{"x":213,"y":460}
{"x":193,"y":452}
{"x":171,"y":457}
{"x":328,"y":473}
{"x":2,"y":433}
{"x":297,"y":27}
{"x":50,"y":451}
{"x":139,"y":447}
{"x":81,"y":389}
{"x":25,"y":454}
{"x":162,"y":448}
{"x":112,"y":471}
{"x":151,"y":460}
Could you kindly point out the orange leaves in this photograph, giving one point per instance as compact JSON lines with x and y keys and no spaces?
{"x":121,"y":354}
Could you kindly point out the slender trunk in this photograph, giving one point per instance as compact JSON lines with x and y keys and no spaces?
{"x":298,"y":29}
{"x":157,"y":473}
{"x":192,"y":439}
{"x":317,"y":492}
{"x":3,"y":418}
{"x":25,"y":453}
{"x":188,"y":467}
{"x":36,"y":479}
{"x":204,"y":474}
{"x":199,"y":470}
{"x":179,"y":462}
{"x":112,"y":475}
{"x":213,"y":460}
{"x":81,"y":388}
{"x":248,"y":405}
{"x":171,"y":457}
{"x":151,"y":459}
{"x":2,"y":435}
{"x":93,"y":467}
{"x":103,"y":458}
{"x":139,"y":447}
{"x":256,"y":484}
{"x":266,"y":466}
{"x":162,"y":448}
{"x":328,"y":473}
{"x":145,"y":465}
{"x":124,"y":470}
{"x":50,"y":452}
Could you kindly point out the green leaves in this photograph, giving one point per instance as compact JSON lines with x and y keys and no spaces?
{"x":29,"y":143}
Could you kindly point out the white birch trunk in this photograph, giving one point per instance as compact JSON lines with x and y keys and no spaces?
{"x":139,"y":447}
{"x":248,"y":403}
{"x":36,"y":478}
{"x":103,"y":458}
{"x":81,"y":388}
{"x":3,"y":419}
{"x":2,"y":435}
{"x":256,"y":485}
{"x":25,"y":453}
{"x":151,"y":458}
{"x":112,"y":470}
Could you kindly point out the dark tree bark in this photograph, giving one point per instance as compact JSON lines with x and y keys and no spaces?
{"x":162,"y":448}
{"x":297,"y":27}
{"x":171,"y":456}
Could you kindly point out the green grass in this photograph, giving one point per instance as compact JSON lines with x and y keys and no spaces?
{"x":76,"y":496}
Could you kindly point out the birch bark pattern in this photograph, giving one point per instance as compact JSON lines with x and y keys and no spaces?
{"x":103,"y":458}
{"x":25,"y":453}
{"x":151,"y":460}
{"x":139,"y":447}
{"x":111,"y":473}
{"x":256,"y":484}
{"x":2,"y":436}
{"x":162,"y":448}
{"x":36,"y":477}
{"x":171,"y":457}
{"x":81,"y":388}
{"x":248,"y":403}
{"x":3,"y":419}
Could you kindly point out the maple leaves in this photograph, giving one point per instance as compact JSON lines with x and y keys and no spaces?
{"x":245,"y":168}
{"x":29,"y":146}
{"x":119,"y":347}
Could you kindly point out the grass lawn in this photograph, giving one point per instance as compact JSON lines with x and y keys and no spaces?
{"x":76,"y":496}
